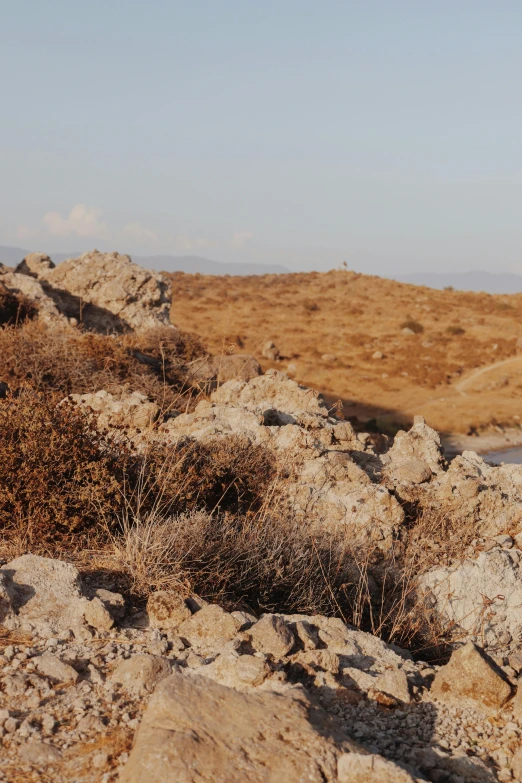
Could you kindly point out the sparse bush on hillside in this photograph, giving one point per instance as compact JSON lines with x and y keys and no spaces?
{"x":455,"y":330}
{"x":415,"y":326}
{"x":72,"y":361}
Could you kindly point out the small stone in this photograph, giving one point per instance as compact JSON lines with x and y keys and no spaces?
{"x":51,"y":666}
{"x":141,"y":673}
{"x":167,"y":609}
{"x":36,"y":752}
{"x":97,"y":616}
{"x":272,"y":636}
{"x":209,"y":629}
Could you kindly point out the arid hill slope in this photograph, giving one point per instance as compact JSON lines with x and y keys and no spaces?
{"x":344,"y":334}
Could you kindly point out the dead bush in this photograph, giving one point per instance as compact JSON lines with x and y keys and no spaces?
{"x":15,"y":308}
{"x":272,"y":563}
{"x":59,"y":477}
{"x":63,"y":483}
{"x":226,"y":473}
{"x":413,"y":325}
{"x":69,"y":361}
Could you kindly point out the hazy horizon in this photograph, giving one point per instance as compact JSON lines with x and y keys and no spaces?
{"x":296,"y":134}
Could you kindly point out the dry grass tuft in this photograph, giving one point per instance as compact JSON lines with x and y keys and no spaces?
{"x":270,"y":563}
{"x":67,"y":360}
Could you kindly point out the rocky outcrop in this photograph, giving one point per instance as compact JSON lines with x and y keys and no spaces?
{"x":44,"y":596}
{"x":104,"y":291}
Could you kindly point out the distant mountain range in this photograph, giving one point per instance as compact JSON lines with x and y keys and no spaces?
{"x":191,"y":264}
{"x":491,"y":283}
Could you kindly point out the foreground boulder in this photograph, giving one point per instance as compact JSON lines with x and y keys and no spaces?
{"x":196,"y":730}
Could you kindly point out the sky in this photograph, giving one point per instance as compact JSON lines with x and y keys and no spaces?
{"x":383,"y":133}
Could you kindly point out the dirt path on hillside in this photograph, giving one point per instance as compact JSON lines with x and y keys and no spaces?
{"x":460,"y":386}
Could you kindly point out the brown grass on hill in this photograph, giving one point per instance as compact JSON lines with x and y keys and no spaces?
{"x":67,"y":361}
{"x":341,"y":333}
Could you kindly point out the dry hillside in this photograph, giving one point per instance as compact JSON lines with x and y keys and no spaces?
{"x":388,"y":350}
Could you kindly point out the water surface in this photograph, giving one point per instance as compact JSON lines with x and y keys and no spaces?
{"x":514,"y":456}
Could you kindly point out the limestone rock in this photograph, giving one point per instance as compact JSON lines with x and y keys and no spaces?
{"x":33,"y":289}
{"x":167,"y":609}
{"x":471,"y":674}
{"x":420,"y":442}
{"x":272,"y":636}
{"x":39,"y":753}
{"x":241,"y":672}
{"x":370,"y":768}
{"x":270,"y":391}
{"x":51,"y":666}
{"x":97,"y":615}
{"x":195,"y":730}
{"x":140,"y":673}
{"x":133,"y":411}
{"x":35,"y":265}
{"x":113,"y":602}
{"x":480,"y":597}
{"x":124,"y":294}
{"x":45,"y":593}
{"x":209,"y":629}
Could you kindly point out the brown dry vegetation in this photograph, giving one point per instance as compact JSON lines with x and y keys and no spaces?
{"x":352,"y":316}
{"x":68,"y":361}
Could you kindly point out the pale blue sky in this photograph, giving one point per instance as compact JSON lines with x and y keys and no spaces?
{"x":386,"y":133}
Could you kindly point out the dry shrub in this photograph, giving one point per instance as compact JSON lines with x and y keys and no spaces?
{"x":415,"y":326}
{"x":59,"y":477}
{"x":64,"y":483}
{"x":73,"y":361}
{"x":15,"y":308}
{"x":272,"y":563}
{"x":229,"y":473}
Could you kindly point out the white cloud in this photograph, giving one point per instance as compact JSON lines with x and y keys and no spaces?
{"x":82,"y":221}
{"x":140,"y":233}
{"x":240,"y":239}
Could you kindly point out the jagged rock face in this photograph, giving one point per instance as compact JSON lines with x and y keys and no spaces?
{"x":33,"y":289}
{"x":137,"y":297}
{"x":105,"y":291}
{"x":481,"y":598}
